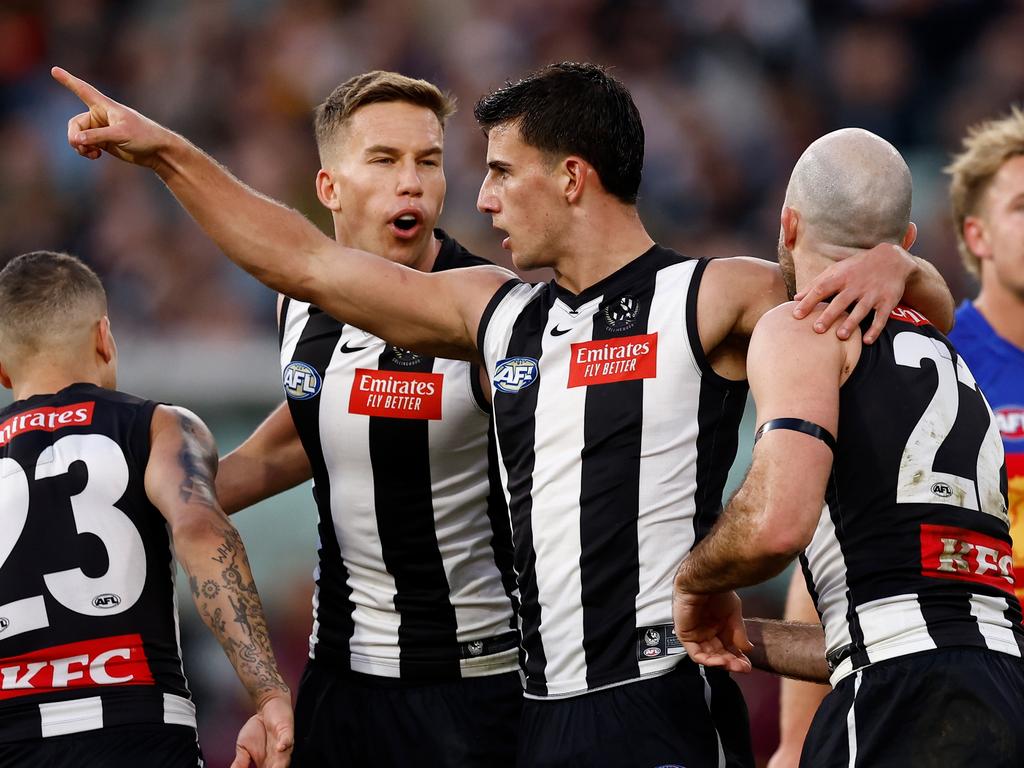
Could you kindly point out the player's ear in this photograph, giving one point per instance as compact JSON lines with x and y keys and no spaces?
{"x":5,"y":379}
{"x":910,"y":236}
{"x":105,"y":346}
{"x":576,"y":175}
{"x":326,"y":192}
{"x":976,"y":238}
{"x":790,"y":224}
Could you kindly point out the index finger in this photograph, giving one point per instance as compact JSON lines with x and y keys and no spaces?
{"x":87,"y":93}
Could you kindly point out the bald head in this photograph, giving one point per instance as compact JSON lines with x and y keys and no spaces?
{"x":851,"y":188}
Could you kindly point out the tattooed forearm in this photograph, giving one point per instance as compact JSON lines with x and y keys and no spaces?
{"x":227,"y":600}
{"x":198,"y":460}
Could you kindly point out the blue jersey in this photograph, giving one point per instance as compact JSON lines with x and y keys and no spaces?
{"x":998,"y":367}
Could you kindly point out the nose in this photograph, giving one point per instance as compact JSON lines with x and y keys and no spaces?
{"x":409,"y":182}
{"x":486,"y":200}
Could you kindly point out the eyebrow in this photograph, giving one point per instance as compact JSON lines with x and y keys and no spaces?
{"x":383,"y":149}
{"x":498,"y":165}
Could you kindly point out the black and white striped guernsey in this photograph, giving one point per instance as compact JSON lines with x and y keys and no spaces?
{"x":912,"y":550}
{"x":415,"y":567}
{"x":616,"y":438}
{"x":88,"y":617}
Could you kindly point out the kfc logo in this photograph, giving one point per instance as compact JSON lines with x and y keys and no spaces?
{"x":957,"y":553}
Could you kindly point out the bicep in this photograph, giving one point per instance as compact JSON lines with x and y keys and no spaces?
{"x":795,"y":374}
{"x":182,"y":464}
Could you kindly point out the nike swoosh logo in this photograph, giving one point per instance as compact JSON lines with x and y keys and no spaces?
{"x":346,"y":349}
{"x":556,"y":331}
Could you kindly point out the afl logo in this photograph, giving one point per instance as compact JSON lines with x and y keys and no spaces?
{"x":404,"y":357}
{"x":107,"y":600}
{"x":514,"y":374}
{"x":4,"y":623}
{"x":301,"y":381}
{"x":1010,"y":420}
{"x":621,"y":314}
{"x":943,"y":490}
{"x":652,"y":653}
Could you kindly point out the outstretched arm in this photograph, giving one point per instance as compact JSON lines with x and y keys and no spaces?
{"x":433,"y":313}
{"x":271,"y":460}
{"x":179,"y":481}
{"x":789,"y":648}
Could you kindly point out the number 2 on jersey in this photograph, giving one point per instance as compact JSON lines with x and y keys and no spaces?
{"x":919,"y":482}
{"x":94,"y":512}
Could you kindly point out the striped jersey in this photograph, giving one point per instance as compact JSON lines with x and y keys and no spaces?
{"x":912,"y":550}
{"x":998,"y":367}
{"x":616,"y":437}
{"x":414,"y":579}
{"x":88,"y":617}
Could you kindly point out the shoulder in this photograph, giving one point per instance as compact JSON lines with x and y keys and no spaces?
{"x":779,"y":333}
{"x":454,"y":255}
{"x":172,"y":422}
{"x":736,"y":291}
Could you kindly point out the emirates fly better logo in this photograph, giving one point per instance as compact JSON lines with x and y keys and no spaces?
{"x":610,"y":360}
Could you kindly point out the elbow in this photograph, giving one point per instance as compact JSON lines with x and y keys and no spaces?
{"x":779,"y":537}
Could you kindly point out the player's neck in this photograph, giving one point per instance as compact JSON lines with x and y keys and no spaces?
{"x":600,"y":245}
{"x":48,"y":379}
{"x":1004,"y":311}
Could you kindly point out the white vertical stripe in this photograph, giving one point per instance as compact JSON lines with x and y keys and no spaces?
{"x":314,"y":634}
{"x":993,"y":624}
{"x":557,"y":477}
{"x":179,"y":711}
{"x":828,"y":572}
{"x":707,"y":701}
{"x":892,"y":621}
{"x":459,"y":488}
{"x":62,"y":717}
{"x":851,"y":723}
{"x":174,"y":608}
{"x":345,"y":441}
{"x":668,"y":466}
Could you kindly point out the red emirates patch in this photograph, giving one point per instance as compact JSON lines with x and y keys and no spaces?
{"x":396,"y":394}
{"x":117,"y":660}
{"x":908,"y":315}
{"x":958,"y":553}
{"x":610,"y":360}
{"x":46,"y":420}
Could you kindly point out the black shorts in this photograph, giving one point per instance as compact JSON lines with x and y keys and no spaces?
{"x":690,"y":717}
{"x":349,"y":720}
{"x":945,"y":708}
{"x":122,"y":746}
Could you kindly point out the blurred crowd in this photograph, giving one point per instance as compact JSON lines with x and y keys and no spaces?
{"x":731,"y":92}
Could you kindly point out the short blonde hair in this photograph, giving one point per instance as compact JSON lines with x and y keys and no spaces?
{"x":376,"y":87}
{"x":987,"y":146}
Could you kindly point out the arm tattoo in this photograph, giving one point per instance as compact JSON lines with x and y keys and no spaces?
{"x":197,"y":465}
{"x":229,"y":603}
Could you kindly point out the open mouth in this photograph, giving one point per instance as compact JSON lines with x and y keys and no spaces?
{"x":406,"y":222}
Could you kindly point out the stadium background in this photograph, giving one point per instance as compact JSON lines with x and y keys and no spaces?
{"x":731,"y":91}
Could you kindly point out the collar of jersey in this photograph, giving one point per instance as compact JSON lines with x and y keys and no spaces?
{"x":606,"y":286}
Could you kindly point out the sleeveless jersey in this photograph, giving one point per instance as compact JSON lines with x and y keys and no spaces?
{"x":912,"y":550}
{"x":998,"y":367}
{"x":616,"y":437}
{"x":88,"y":618}
{"x":415,"y":568}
